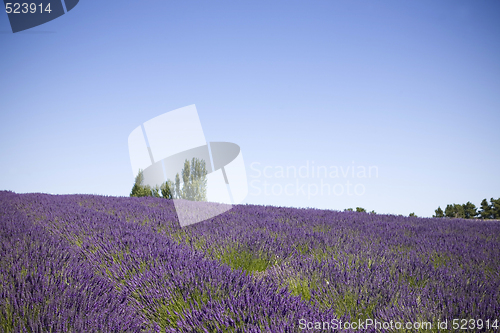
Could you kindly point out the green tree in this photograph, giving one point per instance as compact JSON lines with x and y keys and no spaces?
{"x":439,"y":212}
{"x":459,"y":211}
{"x":194,"y":179}
{"x":139,"y":190}
{"x":454,"y":211}
{"x":167,"y":189}
{"x":348,"y":210}
{"x":155,"y":192}
{"x":412,"y":215}
{"x":186,"y":186}
{"x":470,"y":210}
{"x":198,"y":180}
{"x":136,"y":189}
{"x":177,"y":187}
{"x":448,"y":211}
{"x":360,"y":210}
{"x":486,"y":211}
{"x":495,"y":208}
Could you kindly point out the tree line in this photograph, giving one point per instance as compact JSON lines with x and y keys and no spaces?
{"x":194,"y":187}
{"x":359,"y":210}
{"x":470,"y":211}
{"x":362,"y":210}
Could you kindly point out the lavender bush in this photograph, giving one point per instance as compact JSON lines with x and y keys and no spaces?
{"x":86,"y":263}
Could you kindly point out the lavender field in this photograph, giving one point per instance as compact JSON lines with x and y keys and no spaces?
{"x":87,"y":263}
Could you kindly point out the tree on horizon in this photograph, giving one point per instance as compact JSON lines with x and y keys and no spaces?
{"x":194,"y":177}
{"x":139,"y":190}
{"x":470,"y":211}
{"x":438,"y":212}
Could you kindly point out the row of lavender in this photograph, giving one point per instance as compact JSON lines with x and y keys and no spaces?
{"x":386,"y":267}
{"x":46,"y":286}
{"x":342,"y":265}
{"x":117,"y":265}
{"x":358,"y":265}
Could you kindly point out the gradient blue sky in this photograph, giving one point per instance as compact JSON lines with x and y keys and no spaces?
{"x":412,"y":87}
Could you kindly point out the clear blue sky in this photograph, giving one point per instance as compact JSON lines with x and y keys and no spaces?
{"x":411,"y":87}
